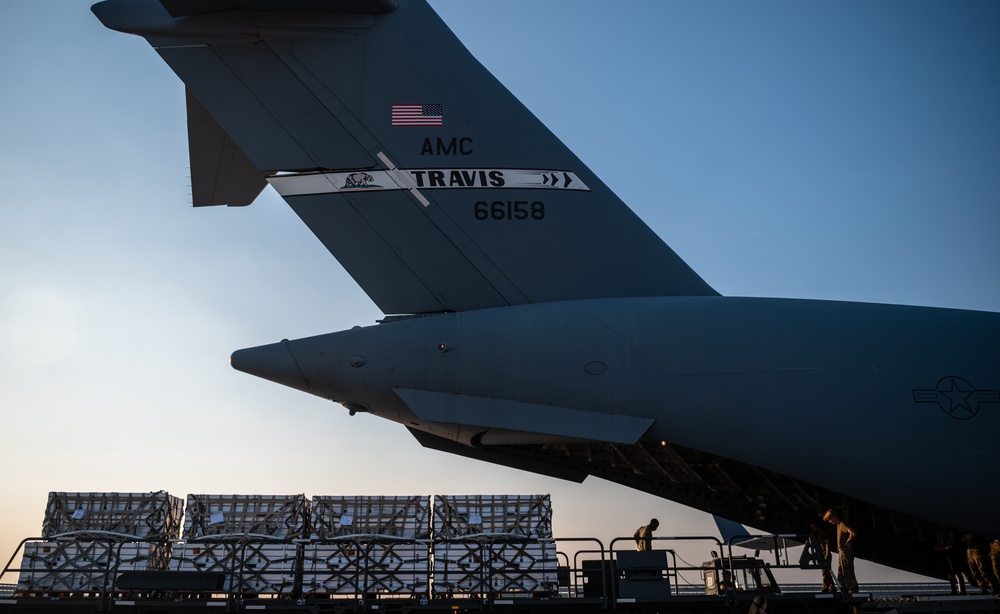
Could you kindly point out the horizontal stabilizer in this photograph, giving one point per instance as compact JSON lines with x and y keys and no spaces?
{"x":184,"y":8}
{"x":221,"y":174}
{"x":508,"y":415}
{"x":441,"y":444}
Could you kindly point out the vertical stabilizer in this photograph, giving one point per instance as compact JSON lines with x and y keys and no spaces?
{"x":434,"y":186}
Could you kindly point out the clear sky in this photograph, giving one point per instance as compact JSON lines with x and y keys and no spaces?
{"x":827,"y":150}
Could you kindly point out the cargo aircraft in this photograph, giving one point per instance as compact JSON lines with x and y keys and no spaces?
{"x":533,"y":320}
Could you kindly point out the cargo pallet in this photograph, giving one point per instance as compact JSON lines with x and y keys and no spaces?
{"x":596,"y":579}
{"x":103,"y":552}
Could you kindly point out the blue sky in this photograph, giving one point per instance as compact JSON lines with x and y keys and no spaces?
{"x":826,"y":150}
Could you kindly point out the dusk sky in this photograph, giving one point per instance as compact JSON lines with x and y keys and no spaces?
{"x":824,"y":150}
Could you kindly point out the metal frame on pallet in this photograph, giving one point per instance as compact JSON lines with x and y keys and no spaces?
{"x":527,"y":516}
{"x":406,"y":517}
{"x":83,"y":565}
{"x":87,"y":537}
{"x":495,"y":565}
{"x":367,"y":596}
{"x":152,"y":515}
{"x":265,"y":516}
{"x":365,"y":565}
{"x":347,"y":554}
{"x":250,"y":566}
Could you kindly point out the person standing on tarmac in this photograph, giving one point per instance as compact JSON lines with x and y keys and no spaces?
{"x":953,"y":558}
{"x":976,"y":549}
{"x":644,"y":535}
{"x":821,"y":536}
{"x":845,"y":552}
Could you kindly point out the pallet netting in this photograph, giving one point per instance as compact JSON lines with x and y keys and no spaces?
{"x":364,"y":568}
{"x":507,"y":568}
{"x":249,"y":566}
{"x":238,"y":516}
{"x":85,"y":566}
{"x":153,"y":515}
{"x":400,"y":516}
{"x":528,"y":516}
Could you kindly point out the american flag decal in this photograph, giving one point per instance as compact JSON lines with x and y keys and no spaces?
{"x":417,"y":114}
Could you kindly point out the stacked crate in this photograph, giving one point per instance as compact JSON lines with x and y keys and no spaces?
{"x":83,"y":566}
{"x":405,"y":517}
{"x":250,"y":566}
{"x":91,"y":538}
{"x":150,"y":515}
{"x":500,"y":544}
{"x":282,"y":517}
{"x":246,"y":537}
{"x":364,"y":545}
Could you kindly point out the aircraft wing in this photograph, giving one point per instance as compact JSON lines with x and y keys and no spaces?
{"x":431,"y":183}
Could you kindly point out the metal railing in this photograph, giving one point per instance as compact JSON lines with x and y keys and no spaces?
{"x":488,"y":569}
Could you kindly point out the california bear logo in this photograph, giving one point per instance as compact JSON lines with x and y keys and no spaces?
{"x":360,"y":180}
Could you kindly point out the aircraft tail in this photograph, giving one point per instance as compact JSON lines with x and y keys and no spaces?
{"x":735,"y":534}
{"x":731,"y":532}
{"x":432,"y":184}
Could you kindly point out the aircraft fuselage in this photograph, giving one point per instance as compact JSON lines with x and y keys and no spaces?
{"x":842,"y":388}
